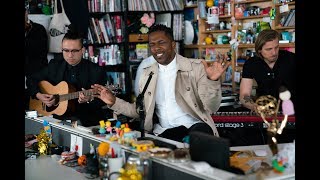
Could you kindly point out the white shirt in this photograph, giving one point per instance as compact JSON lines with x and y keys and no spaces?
{"x":168,"y":111}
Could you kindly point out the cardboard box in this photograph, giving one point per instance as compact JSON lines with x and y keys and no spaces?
{"x":138,"y":37}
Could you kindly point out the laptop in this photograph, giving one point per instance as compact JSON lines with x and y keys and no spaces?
{"x":211,"y":149}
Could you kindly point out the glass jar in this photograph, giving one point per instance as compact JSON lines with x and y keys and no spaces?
{"x":103,"y":167}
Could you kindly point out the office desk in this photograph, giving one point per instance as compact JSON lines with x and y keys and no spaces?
{"x":45,"y":167}
{"x":162,"y":169}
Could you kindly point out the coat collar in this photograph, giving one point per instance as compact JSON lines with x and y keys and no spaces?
{"x":182,"y":64}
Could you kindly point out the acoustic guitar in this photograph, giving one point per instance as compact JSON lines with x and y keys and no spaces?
{"x":63,"y":92}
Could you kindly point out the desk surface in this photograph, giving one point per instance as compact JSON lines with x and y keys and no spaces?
{"x":44,"y":167}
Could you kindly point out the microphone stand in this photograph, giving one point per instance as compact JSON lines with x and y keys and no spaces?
{"x":140,"y":105}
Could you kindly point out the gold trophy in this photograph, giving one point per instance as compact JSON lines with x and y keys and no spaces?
{"x":268,"y":107}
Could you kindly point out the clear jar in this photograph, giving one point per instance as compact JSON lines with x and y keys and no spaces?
{"x":103,"y":167}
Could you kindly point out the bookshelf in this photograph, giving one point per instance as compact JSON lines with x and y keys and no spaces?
{"x":105,"y":43}
{"x":242,"y":22}
{"x":114,"y":30}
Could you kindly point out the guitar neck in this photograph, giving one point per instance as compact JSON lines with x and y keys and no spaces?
{"x":74,"y":95}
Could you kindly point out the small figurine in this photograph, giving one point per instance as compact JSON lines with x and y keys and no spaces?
{"x":102,"y":129}
{"x":209,"y":39}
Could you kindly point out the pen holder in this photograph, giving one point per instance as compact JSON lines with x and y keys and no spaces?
{"x":115,"y":164}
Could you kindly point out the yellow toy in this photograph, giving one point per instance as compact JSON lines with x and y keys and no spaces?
{"x":209,"y":39}
{"x":143,"y":145}
{"x":209,"y":3}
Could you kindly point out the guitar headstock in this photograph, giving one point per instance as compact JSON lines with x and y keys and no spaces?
{"x":114,"y":88}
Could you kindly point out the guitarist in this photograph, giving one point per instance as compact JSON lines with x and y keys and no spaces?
{"x":80,"y":74}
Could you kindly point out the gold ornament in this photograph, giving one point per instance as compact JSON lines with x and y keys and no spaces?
{"x":43,"y":142}
{"x":267,"y":106}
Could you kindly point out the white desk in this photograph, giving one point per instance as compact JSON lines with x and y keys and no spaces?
{"x":45,"y":167}
{"x":52,"y":168}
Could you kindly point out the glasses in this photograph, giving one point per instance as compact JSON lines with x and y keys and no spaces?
{"x":73,"y":51}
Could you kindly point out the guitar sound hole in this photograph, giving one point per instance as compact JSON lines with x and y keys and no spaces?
{"x":56,"y":99}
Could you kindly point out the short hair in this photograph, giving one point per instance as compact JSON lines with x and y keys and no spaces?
{"x":264,"y":37}
{"x":160,"y":27}
{"x":73,"y":34}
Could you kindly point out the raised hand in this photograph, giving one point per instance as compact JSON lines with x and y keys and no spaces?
{"x":104,"y":94}
{"x":217,"y":68}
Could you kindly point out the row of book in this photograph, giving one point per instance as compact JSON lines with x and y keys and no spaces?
{"x":117,"y":79}
{"x":107,"y":29}
{"x":177,"y":27}
{"x":288,"y":18}
{"x":155,"y":5}
{"x":104,"y":5}
{"x":138,"y":52}
{"x":107,"y":55}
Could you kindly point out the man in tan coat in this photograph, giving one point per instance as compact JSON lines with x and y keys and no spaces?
{"x":183,"y":92}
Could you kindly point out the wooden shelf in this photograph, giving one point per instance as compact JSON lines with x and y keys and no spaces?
{"x":250,"y":1}
{"x":195,"y":46}
{"x":217,"y":31}
{"x":246,"y":46}
{"x":252,"y":17}
{"x":284,"y":27}
{"x":280,"y":45}
{"x":225,"y":16}
{"x":191,"y":6}
{"x":204,"y":30}
{"x":289,"y":3}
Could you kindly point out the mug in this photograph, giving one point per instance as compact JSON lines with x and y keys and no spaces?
{"x":213,"y":15}
{"x":286,"y":36}
{"x":115,"y":164}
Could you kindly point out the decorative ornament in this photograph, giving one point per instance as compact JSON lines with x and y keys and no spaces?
{"x":272,"y":13}
{"x":146,"y":22}
{"x":208,"y":39}
{"x":43,"y":142}
{"x":82,"y":160}
{"x":209,"y":3}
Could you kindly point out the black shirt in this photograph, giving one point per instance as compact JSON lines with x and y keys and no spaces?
{"x":269,"y":80}
{"x":85,"y":73}
{"x":71,"y":75}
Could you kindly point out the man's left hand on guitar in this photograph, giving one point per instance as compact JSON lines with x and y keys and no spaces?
{"x":82,"y":98}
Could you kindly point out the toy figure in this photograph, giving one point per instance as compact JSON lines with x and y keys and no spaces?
{"x":102,"y":129}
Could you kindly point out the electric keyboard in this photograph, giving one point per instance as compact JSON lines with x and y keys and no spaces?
{"x":245,"y":120}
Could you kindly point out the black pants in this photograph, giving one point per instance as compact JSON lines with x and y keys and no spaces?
{"x":178,"y":133}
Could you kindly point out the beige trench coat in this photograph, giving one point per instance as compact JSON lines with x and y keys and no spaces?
{"x":195,"y":93}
